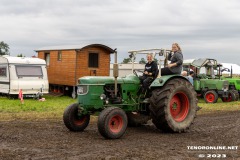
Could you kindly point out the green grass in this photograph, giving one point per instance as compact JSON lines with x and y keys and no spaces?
{"x":50,"y":104}
{"x":54,"y":107}
{"x":218,"y":107}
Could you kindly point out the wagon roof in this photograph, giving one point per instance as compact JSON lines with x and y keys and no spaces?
{"x":74,"y":47}
{"x":21,"y":60}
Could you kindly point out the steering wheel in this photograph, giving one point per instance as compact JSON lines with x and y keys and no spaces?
{"x":135,"y":72}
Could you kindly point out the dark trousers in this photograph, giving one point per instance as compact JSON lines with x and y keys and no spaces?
{"x":166,"y":71}
{"x":145,"y":81}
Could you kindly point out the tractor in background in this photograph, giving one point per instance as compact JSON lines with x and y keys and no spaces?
{"x":208,"y":82}
{"x":234,"y":83}
{"x":118,"y":103}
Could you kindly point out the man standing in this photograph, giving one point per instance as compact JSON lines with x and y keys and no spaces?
{"x":190,"y":77}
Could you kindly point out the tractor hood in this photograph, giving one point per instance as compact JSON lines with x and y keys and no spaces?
{"x":102,"y":80}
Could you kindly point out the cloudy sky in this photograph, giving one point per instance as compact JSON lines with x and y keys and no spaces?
{"x":202,"y":28}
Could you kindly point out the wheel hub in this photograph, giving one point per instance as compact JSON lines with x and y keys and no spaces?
{"x":116,"y":124}
{"x":174,"y":106}
{"x":210,"y":97}
{"x":179,"y":107}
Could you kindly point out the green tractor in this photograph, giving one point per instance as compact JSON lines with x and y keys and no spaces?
{"x":118,"y":103}
{"x":234,"y":83}
{"x":209,"y":84}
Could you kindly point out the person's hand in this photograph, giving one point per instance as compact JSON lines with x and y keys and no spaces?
{"x":170,"y":65}
{"x":146,"y":72}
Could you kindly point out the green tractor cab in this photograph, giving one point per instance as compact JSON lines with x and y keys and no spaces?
{"x":207,"y":82}
{"x":119,"y":103}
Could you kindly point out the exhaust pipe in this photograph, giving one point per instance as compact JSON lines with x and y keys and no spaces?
{"x":115,"y":72}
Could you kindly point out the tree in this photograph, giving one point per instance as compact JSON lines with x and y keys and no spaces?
{"x":156,"y":60}
{"x":142,"y":61}
{"x":4,"y":48}
{"x":20,"y":55}
{"x":127,"y":60}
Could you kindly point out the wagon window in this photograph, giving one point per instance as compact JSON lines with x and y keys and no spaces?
{"x":59,"y":55}
{"x":47,"y":58}
{"x":93,"y":60}
{"x":29,"y":71}
{"x":3,"y":71}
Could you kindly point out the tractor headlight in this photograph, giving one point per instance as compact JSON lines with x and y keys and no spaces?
{"x":103,"y":97}
{"x":82,"y":89}
{"x":225,"y":87}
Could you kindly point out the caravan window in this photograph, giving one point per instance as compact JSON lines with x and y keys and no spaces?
{"x":29,"y":71}
{"x":3,"y":71}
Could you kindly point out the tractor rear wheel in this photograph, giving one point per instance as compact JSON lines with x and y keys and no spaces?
{"x":231,"y":97}
{"x":137,"y":119}
{"x":72,"y":120}
{"x":112,"y":122}
{"x":173,"y":107}
{"x":211,"y":96}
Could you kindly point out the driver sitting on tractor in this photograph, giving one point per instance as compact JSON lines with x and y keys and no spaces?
{"x":149,"y":74}
{"x":176,"y":58}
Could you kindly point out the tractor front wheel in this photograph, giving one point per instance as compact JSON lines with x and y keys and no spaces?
{"x":211,"y":96}
{"x":231,"y":97}
{"x":173,"y":107}
{"x":112,"y":122}
{"x":73,"y":121}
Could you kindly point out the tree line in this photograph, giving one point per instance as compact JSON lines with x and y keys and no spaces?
{"x":4,"y":49}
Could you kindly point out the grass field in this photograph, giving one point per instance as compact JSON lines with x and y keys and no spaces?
{"x":54,"y":107}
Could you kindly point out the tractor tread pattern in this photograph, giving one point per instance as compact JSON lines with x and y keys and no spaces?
{"x":70,"y":114}
{"x":159,"y":102}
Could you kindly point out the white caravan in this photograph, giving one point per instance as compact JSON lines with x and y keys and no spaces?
{"x":27,"y":74}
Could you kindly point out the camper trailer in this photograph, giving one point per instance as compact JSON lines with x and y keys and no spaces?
{"x":21,"y":73}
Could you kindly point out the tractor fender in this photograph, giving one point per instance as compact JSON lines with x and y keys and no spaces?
{"x":161,"y":81}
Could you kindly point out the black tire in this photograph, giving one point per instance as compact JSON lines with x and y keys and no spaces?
{"x":231,"y":97}
{"x":137,"y":119}
{"x":211,"y":96}
{"x":72,"y":121}
{"x":112,"y":123}
{"x":173,"y":107}
{"x":236,"y":95}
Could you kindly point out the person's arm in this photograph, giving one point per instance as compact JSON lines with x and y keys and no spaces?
{"x":169,"y":56}
{"x":179,"y":58}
